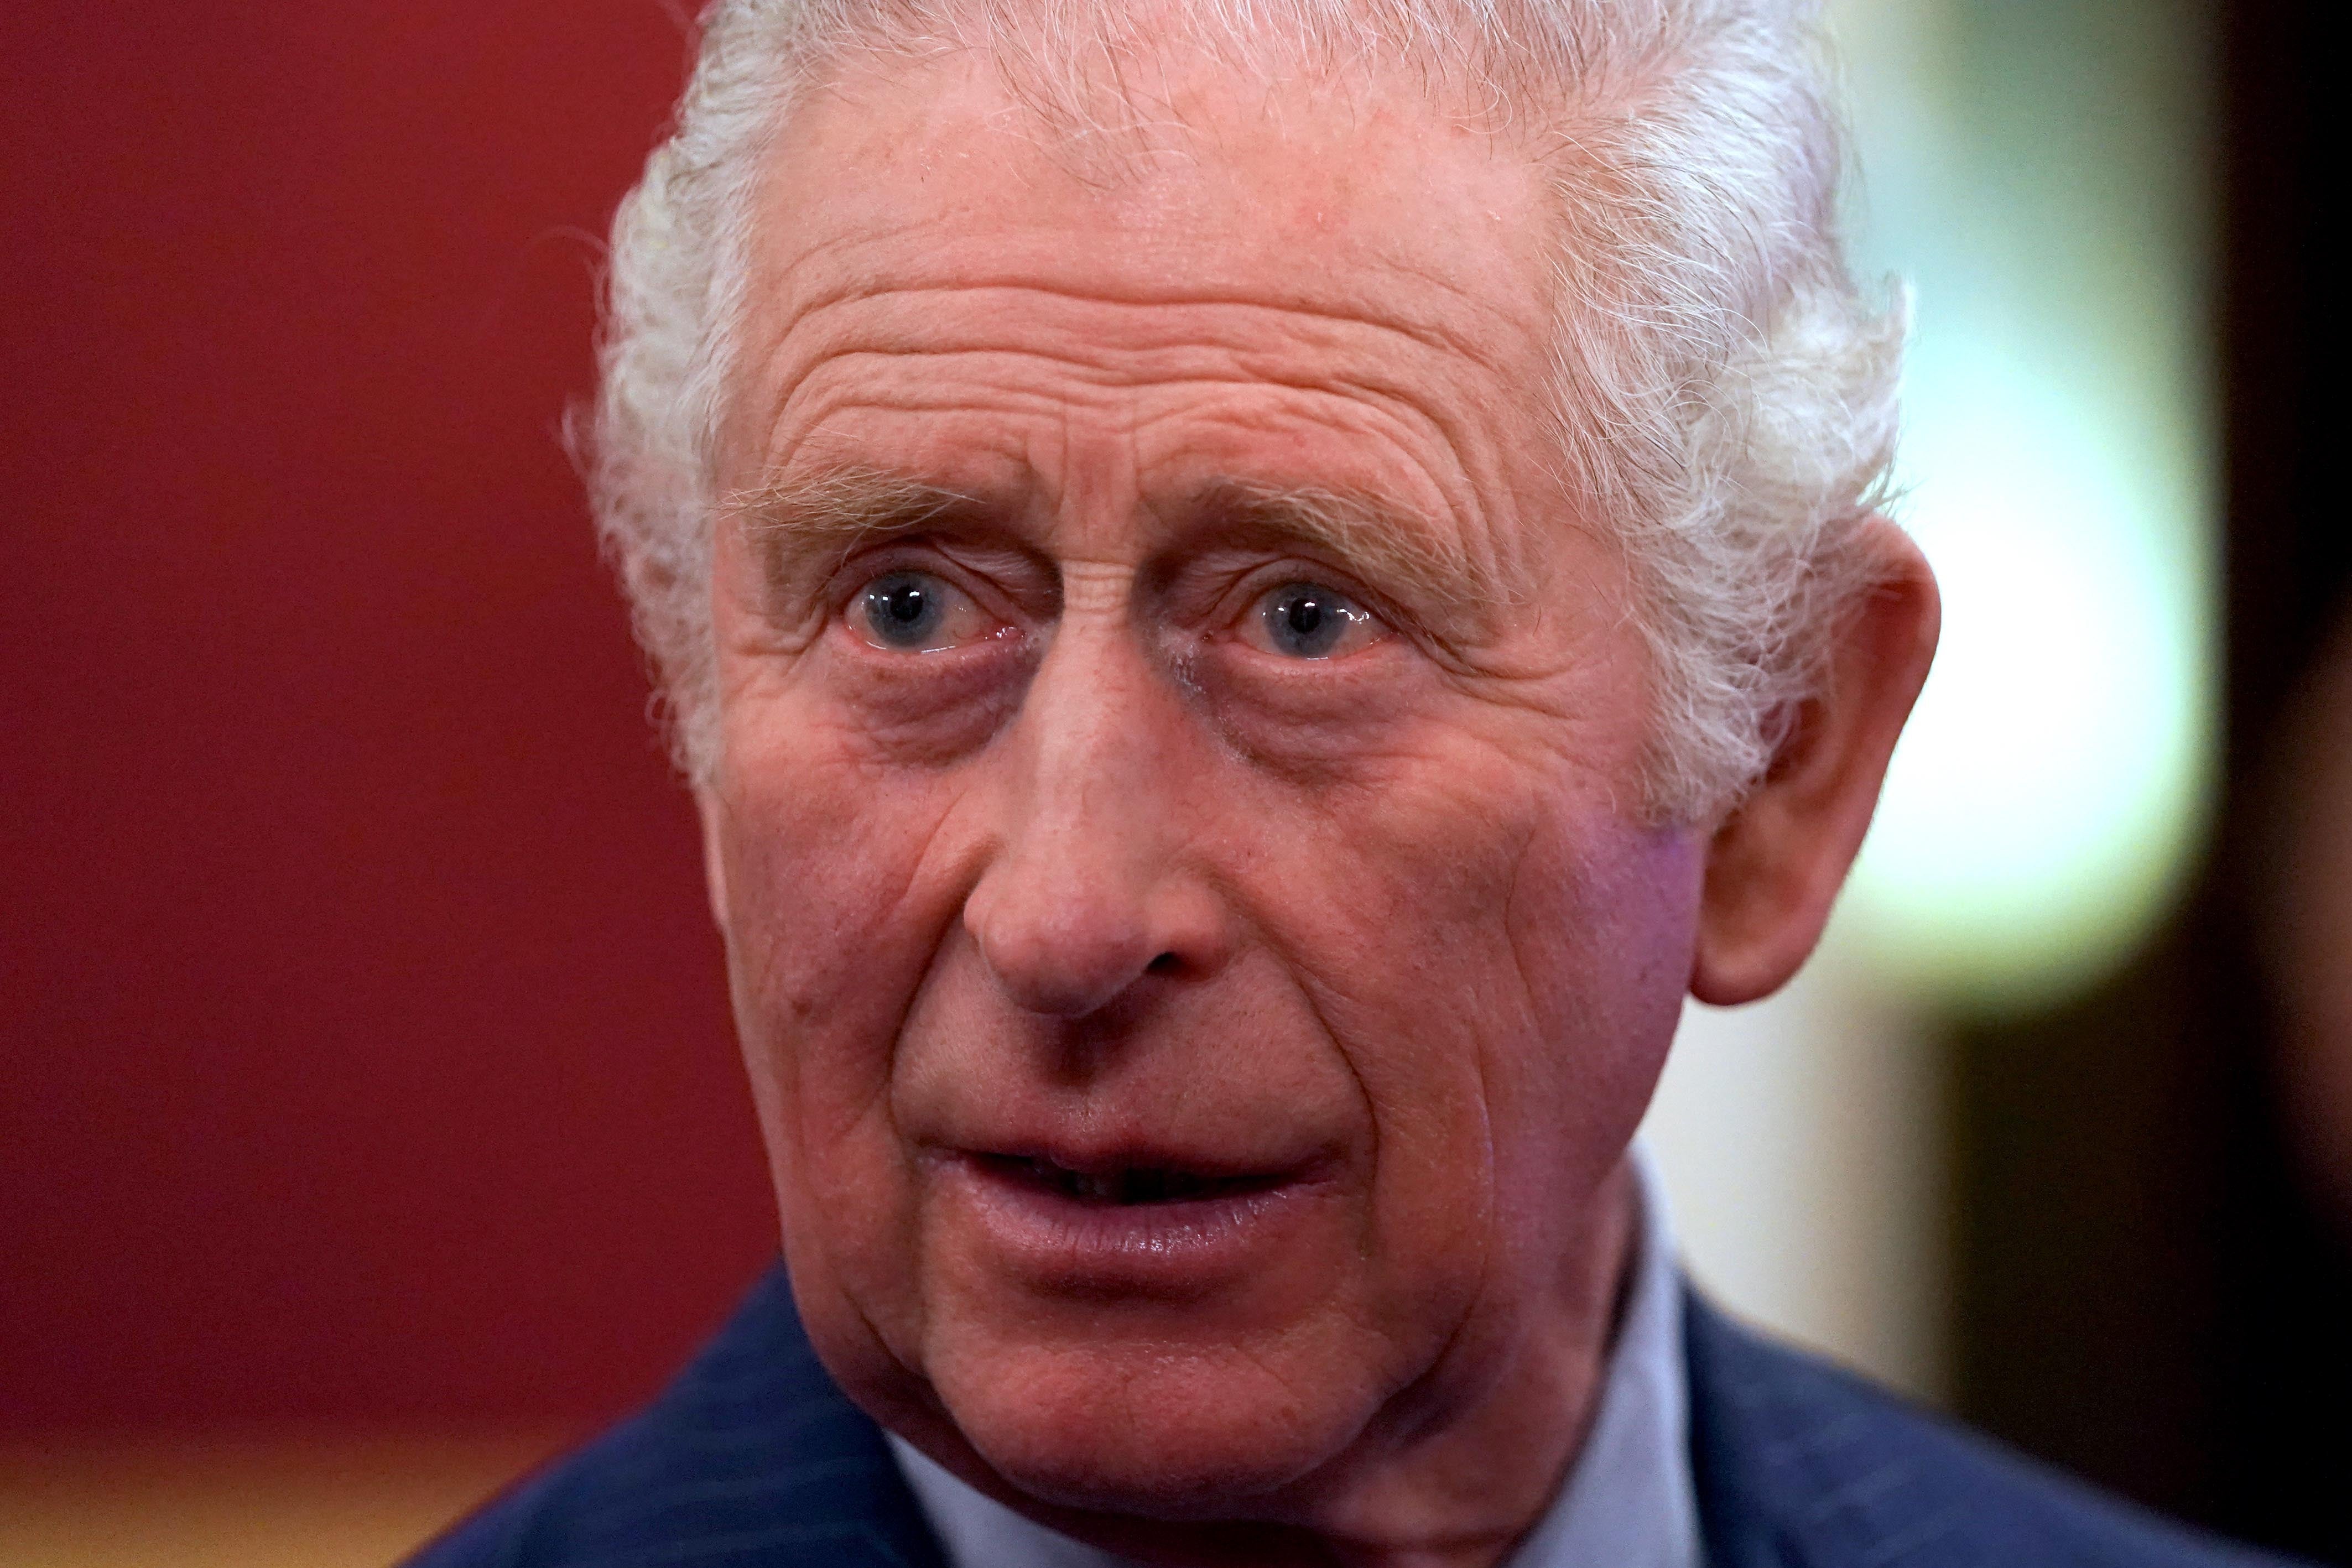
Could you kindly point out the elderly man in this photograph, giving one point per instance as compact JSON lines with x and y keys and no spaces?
{"x":1252,"y":593}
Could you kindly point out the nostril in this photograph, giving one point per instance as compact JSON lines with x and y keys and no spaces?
{"x":1165,"y":964}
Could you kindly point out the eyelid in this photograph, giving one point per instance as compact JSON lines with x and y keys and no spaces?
{"x":1243,"y":586}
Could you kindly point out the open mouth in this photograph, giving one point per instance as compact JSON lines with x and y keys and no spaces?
{"x":1127,"y":1185}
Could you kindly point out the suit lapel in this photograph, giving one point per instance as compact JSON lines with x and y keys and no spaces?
{"x":760,"y":1458}
{"x":1791,"y":1467}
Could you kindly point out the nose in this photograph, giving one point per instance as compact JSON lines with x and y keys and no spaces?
{"x":1087,"y":892}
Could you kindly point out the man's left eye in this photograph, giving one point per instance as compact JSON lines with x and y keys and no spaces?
{"x":1310,"y":621}
{"x":917,"y":613}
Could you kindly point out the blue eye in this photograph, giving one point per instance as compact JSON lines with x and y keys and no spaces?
{"x":906,"y":609}
{"x":1308,"y":620}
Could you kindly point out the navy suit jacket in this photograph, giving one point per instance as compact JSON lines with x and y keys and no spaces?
{"x":753,"y":1459}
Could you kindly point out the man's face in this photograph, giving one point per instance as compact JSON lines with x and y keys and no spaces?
{"x":1196,"y":947}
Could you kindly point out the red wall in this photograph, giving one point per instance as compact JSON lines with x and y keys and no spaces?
{"x":362,"y":1044}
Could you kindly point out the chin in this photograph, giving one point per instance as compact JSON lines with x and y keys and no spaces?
{"x":1142,"y":1429}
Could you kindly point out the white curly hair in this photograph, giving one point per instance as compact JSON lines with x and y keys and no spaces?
{"x":1722,"y":391}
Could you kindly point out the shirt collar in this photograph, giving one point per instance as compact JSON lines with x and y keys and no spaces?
{"x":1629,"y":1500}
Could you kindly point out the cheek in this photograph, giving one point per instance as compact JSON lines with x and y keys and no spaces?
{"x":1374,"y":909}
{"x":1504,"y":969}
{"x":839,"y":880}
{"x":1602,"y":923}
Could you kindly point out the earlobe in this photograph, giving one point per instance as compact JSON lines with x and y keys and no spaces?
{"x":1776,"y":863}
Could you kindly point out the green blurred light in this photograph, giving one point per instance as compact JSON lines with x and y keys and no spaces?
{"x":2040,"y":174}
{"x":2041,"y":806}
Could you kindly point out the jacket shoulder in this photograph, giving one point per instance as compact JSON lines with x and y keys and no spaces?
{"x":752,"y":1455}
{"x":1800,"y":1465}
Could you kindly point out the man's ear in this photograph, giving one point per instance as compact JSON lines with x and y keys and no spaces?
{"x":1778,"y":861}
{"x":714,"y":858}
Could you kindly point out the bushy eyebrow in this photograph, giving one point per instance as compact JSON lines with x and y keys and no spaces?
{"x":1357,"y":528}
{"x":795,"y":521}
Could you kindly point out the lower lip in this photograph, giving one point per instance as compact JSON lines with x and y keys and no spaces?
{"x":1173,"y":1249}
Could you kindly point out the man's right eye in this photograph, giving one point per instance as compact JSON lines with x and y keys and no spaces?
{"x":919,"y":612}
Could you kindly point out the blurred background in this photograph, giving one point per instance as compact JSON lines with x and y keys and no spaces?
{"x":369,"y":1125}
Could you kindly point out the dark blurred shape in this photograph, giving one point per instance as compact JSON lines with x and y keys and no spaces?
{"x":366,"y":1044}
{"x":2149,"y":1293}
{"x":2309,"y":929}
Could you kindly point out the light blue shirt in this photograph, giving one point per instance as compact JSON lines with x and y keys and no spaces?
{"x":1629,"y":1500}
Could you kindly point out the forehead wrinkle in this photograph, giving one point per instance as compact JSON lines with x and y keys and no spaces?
{"x":886,"y":311}
{"x":809,"y":383}
{"x":1335,"y":352}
